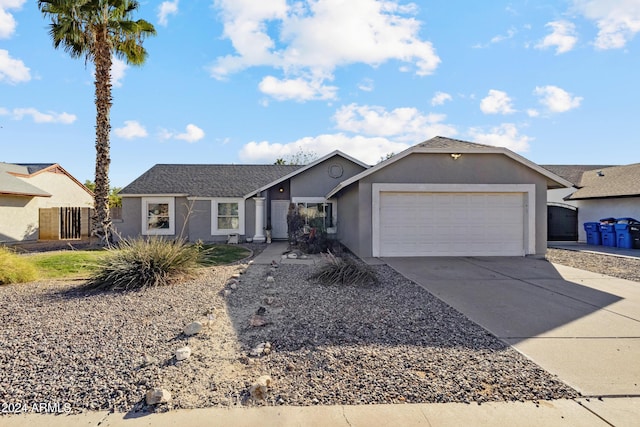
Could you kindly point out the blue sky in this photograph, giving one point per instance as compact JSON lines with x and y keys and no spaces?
{"x":245,"y":81}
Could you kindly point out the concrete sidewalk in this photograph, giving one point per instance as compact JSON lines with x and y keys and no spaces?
{"x":581,"y":412}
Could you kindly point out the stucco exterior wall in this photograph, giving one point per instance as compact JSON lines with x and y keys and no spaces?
{"x":442,"y":169}
{"x":348,"y":221}
{"x":320,"y":179}
{"x":592,"y":210}
{"x":20,"y":215}
{"x":18,"y":219}
{"x":557,"y":196}
{"x":64,"y":191}
{"x":199,"y":224}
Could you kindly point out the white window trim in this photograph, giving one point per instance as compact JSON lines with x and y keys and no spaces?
{"x":334,"y":208}
{"x":172,"y":216}
{"x":215,"y":231}
{"x":529,"y":191}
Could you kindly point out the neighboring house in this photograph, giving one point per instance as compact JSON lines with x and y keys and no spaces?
{"x":440,"y":197}
{"x":29,"y":192}
{"x":609,"y":192}
{"x":562,"y":214}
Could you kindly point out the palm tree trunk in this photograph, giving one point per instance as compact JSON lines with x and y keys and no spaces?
{"x":102,"y":220}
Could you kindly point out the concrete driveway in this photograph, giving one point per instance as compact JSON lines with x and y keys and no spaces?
{"x":581,"y":326}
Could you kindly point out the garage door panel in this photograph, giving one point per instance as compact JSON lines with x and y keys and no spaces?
{"x":431,"y":224}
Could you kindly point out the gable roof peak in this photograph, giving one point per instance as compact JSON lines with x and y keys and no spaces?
{"x":443,"y":142}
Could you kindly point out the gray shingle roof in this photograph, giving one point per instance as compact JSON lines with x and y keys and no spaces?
{"x":206,"y":180}
{"x":10,"y":184}
{"x":453,"y":144}
{"x":35,"y":167}
{"x":573,"y":173}
{"x":617,"y":181}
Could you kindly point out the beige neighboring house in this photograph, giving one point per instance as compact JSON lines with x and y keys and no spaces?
{"x":31,"y":194}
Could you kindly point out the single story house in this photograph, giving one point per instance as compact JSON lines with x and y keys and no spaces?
{"x":609,"y":192}
{"x":31,"y":196}
{"x":562,"y":214}
{"x":440,"y":197}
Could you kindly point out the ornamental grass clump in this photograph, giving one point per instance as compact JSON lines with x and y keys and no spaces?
{"x":142,"y":263}
{"x":15,"y":269}
{"x":344,"y":271}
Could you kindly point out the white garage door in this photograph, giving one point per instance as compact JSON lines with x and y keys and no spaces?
{"x":451,"y":224}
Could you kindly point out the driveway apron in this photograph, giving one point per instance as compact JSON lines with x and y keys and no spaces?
{"x":583,"y":327}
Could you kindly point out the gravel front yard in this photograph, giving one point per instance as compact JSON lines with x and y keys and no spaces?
{"x":390,"y":343}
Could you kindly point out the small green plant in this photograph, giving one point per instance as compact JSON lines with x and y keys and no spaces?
{"x":15,"y":268}
{"x":141,"y":263}
{"x":344,"y":271}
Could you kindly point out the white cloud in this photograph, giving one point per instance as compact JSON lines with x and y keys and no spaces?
{"x":563,"y":37}
{"x":618,"y":20}
{"x":366,"y":149}
{"x":366,"y":85}
{"x":403,"y":124}
{"x":310,"y":39}
{"x":497,"y":102}
{"x":557,"y":100}
{"x":532,"y":112}
{"x":502,"y":37}
{"x":296,"y":89}
{"x":192,"y":134}
{"x":38,"y":117}
{"x":497,"y":39}
{"x":165,"y":9}
{"x":118,"y":68}
{"x":7,"y":21}
{"x":440,"y":98}
{"x":12,"y":70}
{"x":506,"y":135}
{"x":131,"y":129}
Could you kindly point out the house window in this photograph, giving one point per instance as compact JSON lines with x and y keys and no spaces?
{"x":227,"y":216}
{"x":158,"y":216}
{"x":317,"y":212}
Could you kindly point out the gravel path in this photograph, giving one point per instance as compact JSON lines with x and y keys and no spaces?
{"x":389,"y":343}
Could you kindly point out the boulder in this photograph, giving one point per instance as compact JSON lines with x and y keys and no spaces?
{"x":158,"y":395}
{"x":192,"y":328}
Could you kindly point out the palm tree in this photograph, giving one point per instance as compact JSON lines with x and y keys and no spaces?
{"x":98,"y":30}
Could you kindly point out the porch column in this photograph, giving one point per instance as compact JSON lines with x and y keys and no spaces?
{"x":259,"y":236}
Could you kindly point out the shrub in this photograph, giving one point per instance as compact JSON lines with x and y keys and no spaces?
{"x":344,"y":271}
{"x":15,"y":268}
{"x":141,"y":263}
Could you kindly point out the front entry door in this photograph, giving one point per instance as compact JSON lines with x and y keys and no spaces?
{"x":279,"y":210}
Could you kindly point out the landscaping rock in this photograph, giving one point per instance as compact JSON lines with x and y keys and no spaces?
{"x":183,"y":353}
{"x":270,"y":279}
{"x":261,"y":349}
{"x":260,"y":389}
{"x":192,"y":328}
{"x":158,"y":395}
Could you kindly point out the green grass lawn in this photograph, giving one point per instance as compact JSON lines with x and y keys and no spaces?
{"x":80,"y":264}
{"x":223,"y":254}
{"x":66,"y":264}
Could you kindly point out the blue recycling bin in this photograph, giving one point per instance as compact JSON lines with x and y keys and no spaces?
{"x":608,"y":234}
{"x":593,"y":233}
{"x":624,"y":238}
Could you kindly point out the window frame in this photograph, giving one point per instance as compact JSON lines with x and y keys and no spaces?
{"x":215,"y":231}
{"x":317,"y":200}
{"x":170,"y":201}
